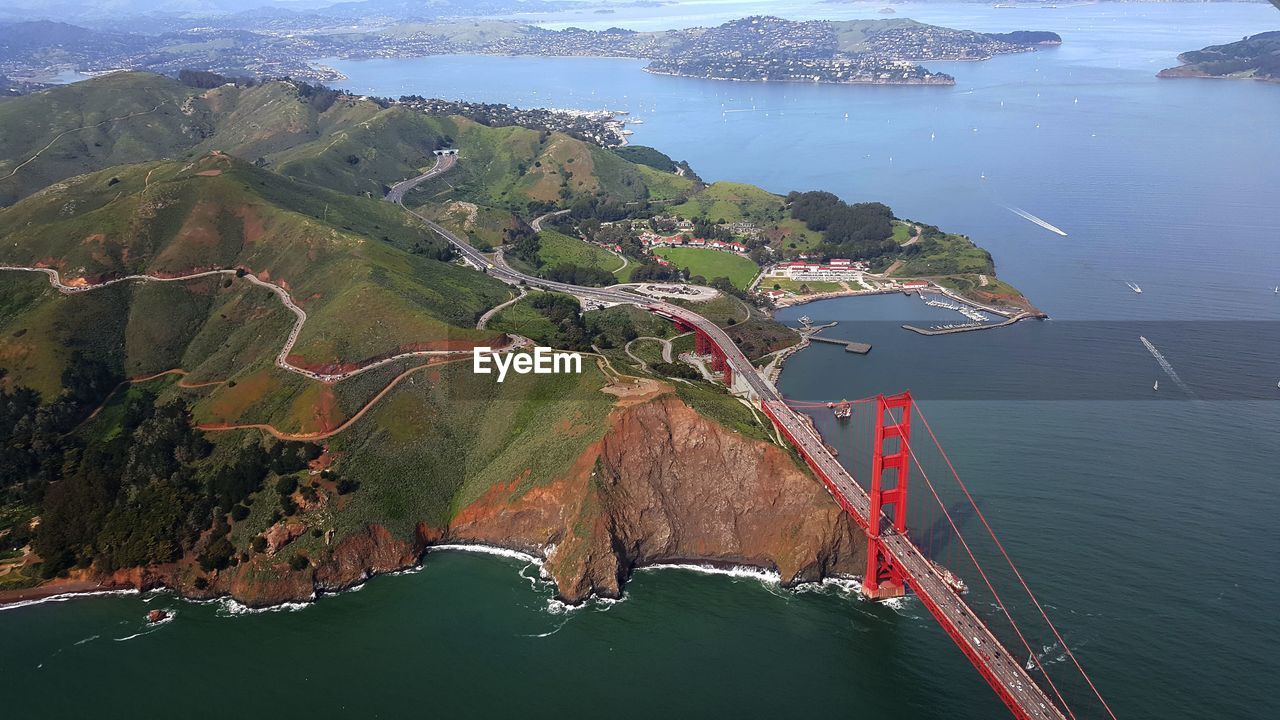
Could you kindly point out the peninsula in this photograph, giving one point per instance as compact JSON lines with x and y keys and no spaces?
{"x":1254,"y":58}
{"x":231,"y":368}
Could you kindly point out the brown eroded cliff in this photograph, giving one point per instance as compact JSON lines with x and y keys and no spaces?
{"x":666,"y":484}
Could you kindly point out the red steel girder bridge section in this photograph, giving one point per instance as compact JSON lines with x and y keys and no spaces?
{"x":911,"y":554}
{"x":913,"y":546}
{"x":704,"y":345}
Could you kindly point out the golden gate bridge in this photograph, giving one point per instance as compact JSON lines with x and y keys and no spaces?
{"x":935,"y":542}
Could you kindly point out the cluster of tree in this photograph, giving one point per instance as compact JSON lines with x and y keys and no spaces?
{"x":654,"y":272}
{"x":704,"y":228}
{"x":590,"y":207}
{"x":32,"y":434}
{"x":134,"y":499}
{"x":644,"y":155}
{"x":565,"y":314}
{"x":861,"y":230}
{"x":321,"y":97}
{"x":528,"y":248}
{"x":676,"y":370}
{"x":579,"y":275}
{"x":142,"y":491}
{"x":205,"y":80}
{"x":576,"y":331}
{"x":611,"y":328}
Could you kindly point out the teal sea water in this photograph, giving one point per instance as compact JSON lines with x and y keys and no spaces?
{"x":1145,"y":521}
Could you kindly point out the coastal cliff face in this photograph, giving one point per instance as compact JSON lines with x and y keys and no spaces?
{"x":664,"y":484}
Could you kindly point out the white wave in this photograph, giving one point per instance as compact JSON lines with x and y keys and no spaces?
{"x":229,"y":607}
{"x":487,"y":550}
{"x":556,"y":606}
{"x":768,"y":577}
{"x":91,"y":638}
{"x":63,"y":597}
{"x":549,"y":633}
{"x":1038,"y":221}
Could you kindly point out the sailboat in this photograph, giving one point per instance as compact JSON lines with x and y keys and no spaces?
{"x":1156,"y":386}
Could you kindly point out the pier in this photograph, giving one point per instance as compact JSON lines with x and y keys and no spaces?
{"x":969,"y":327}
{"x":853,"y":347}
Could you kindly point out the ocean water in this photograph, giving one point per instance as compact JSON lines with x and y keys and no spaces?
{"x":1145,"y":521}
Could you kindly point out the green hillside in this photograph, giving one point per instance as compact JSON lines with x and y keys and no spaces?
{"x":149,"y":422}
{"x":363,"y":270}
{"x":733,"y":202}
{"x":72,"y":129}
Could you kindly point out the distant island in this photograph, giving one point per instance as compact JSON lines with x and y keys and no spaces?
{"x":880,"y":51}
{"x":755,"y":48}
{"x":850,"y":51}
{"x":1253,"y":58}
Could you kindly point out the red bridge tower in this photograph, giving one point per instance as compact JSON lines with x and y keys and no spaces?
{"x":884,"y":579}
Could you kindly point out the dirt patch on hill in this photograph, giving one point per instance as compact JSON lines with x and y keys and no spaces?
{"x":230,"y":402}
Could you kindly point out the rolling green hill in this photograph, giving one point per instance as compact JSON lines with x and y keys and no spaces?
{"x":364,"y":271}
{"x":73,"y":129}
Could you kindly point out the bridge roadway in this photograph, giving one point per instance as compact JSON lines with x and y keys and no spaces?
{"x":1001,"y":670}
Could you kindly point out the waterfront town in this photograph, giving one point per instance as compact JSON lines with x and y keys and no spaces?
{"x":759,"y":48}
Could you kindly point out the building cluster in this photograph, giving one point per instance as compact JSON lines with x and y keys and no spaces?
{"x":864,"y":71}
{"x":833,"y":270}
{"x":652,"y":240}
{"x":600,"y":127}
{"x":917,"y":41}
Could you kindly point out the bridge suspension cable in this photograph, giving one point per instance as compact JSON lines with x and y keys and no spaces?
{"x":1000,"y":603}
{"x":1026,"y":588}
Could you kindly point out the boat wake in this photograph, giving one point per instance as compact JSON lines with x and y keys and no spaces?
{"x":1166,"y":366}
{"x":1038,"y":221}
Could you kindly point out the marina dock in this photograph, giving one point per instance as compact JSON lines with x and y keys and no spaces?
{"x":853,"y":347}
{"x":967,"y":327}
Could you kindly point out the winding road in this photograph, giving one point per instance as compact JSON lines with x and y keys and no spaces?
{"x":300,"y":316}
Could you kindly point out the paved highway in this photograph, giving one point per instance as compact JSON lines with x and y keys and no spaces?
{"x":968,"y":630}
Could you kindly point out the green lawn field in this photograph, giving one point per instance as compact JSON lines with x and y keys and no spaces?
{"x":712,"y":264}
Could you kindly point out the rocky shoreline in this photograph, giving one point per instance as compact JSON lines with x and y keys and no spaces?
{"x":664,"y":485}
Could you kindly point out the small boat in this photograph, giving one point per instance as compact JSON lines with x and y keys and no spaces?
{"x":1156,"y":386}
{"x":1134,"y":287}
